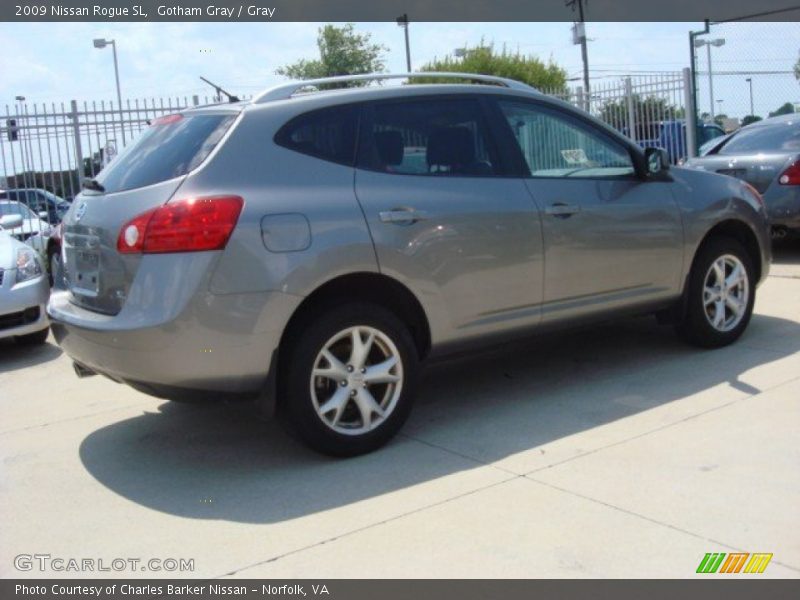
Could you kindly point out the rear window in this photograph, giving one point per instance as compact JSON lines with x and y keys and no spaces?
{"x":784,"y":137}
{"x":172,"y":146}
{"x":329,"y":134}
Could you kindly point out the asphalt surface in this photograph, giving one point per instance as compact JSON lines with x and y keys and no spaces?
{"x":614,"y":451}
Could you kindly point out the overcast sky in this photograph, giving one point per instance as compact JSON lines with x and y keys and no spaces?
{"x":53,"y":62}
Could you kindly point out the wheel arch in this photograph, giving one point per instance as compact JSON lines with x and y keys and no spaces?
{"x":741,"y":232}
{"x":363,"y":286}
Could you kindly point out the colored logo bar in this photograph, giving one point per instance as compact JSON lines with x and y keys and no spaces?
{"x":736,"y":562}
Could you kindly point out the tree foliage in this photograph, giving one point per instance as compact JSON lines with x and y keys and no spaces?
{"x":484,"y":59}
{"x":797,"y":69}
{"x":342,"y":51}
{"x":649,"y":108}
{"x":785,"y":109}
{"x":747,"y":120}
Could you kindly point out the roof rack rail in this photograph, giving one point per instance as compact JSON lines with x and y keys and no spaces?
{"x":287,"y":90}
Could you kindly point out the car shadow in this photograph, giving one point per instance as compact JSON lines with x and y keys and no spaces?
{"x":14,"y":356}
{"x":222,"y":462}
{"x":786,"y":252}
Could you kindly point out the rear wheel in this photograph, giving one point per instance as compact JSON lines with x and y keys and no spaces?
{"x":721,"y":294}
{"x":349,"y":379}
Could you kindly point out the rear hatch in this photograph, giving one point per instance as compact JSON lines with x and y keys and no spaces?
{"x":144,"y":176}
{"x":759,"y":170}
{"x":757,"y":154}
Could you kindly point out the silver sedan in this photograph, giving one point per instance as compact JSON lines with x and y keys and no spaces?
{"x":24,"y":288}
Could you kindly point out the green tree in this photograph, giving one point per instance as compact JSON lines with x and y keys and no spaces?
{"x":750,"y":119}
{"x":486,"y":60}
{"x":342,"y":51}
{"x":785,"y":109}
{"x":797,"y":70}
{"x":720,"y":119}
{"x":648,"y":110}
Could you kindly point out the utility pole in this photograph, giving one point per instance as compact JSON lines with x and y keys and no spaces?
{"x":749,"y":80}
{"x":402,"y":21}
{"x":579,"y":37}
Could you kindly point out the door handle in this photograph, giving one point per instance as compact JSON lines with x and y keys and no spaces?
{"x":401,"y":216}
{"x":559,"y":209}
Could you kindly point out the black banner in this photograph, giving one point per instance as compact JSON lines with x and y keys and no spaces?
{"x":390,"y":10}
{"x":343,"y":589}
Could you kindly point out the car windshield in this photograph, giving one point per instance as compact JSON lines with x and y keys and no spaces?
{"x":16,"y":208}
{"x":172,"y":146}
{"x":780,"y":137}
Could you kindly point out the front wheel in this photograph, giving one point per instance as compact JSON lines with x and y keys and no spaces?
{"x":721,"y":294}
{"x":349,"y":378}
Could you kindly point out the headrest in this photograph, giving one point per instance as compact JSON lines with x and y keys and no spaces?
{"x":451,"y":146}
{"x":389,"y":145}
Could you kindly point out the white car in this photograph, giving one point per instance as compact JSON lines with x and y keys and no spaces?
{"x":31,"y":229}
{"x":24,"y":288}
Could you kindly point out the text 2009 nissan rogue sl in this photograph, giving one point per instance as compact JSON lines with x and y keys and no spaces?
{"x":316,"y":248}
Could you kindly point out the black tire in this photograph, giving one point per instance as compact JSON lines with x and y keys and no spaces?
{"x":33,"y":339}
{"x":695,"y":327}
{"x":306,"y":341}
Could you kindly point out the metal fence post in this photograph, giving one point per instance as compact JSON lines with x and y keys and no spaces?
{"x":579,"y":97}
{"x":690,"y":112}
{"x":631,"y":109}
{"x":76,"y":131}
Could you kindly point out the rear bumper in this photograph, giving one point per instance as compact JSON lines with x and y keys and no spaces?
{"x":783,"y":206}
{"x":22,"y":305}
{"x":216,"y":345}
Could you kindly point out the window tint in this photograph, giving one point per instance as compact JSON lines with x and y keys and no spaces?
{"x":329,"y":134}
{"x":434,"y":137}
{"x":555,"y":146}
{"x":781,"y":137}
{"x":172,"y":146}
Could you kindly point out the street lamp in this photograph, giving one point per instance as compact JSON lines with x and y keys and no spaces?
{"x":402,"y":21}
{"x":749,"y":80}
{"x":102,"y":43}
{"x":698,"y":43}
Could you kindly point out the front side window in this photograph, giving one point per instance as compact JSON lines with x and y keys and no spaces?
{"x":434,"y":137}
{"x":554,"y":145}
{"x":329,"y":134}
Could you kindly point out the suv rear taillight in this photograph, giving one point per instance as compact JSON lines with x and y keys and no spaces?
{"x":190,"y":225}
{"x":791,"y":176}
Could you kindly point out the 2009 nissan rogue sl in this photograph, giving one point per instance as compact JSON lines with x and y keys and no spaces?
{"x":317,"y":247}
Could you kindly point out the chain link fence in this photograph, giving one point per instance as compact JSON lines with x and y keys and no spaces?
{"x":747,"y":71}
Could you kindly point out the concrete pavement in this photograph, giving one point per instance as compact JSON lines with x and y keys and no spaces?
{"x":614,"y":451}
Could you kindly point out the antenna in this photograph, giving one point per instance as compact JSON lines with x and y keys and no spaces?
{"x":220,"y":91}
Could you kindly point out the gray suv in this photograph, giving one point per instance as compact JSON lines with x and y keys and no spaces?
{"x":313,"y":249}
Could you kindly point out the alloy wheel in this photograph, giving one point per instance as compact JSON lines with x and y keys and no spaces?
{"x":726,"y":292}
{"x":356,"y":380}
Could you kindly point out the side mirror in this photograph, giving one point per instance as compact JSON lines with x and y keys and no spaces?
{"x":43,"y":214}
{"x":657,"y":160}
{"x":11,"y":221}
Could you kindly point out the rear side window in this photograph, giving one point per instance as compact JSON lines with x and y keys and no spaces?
{"x":434,"y":137}
{"x":783,"y":137}
{"x":329,"y":134}
{"x":172,"y":146}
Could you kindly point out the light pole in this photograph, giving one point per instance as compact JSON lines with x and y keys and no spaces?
{"x":708,"y":43}
{"x":749,"y":80}
{"x":402,"y":21}
{"x":102,"y":43}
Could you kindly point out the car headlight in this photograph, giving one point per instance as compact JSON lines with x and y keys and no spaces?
{"x":28,"y":266}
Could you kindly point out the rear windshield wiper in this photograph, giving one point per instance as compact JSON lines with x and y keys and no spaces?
{"x":92,"y":184}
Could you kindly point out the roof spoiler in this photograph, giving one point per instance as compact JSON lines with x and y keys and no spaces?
{"x":287,"y":90}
